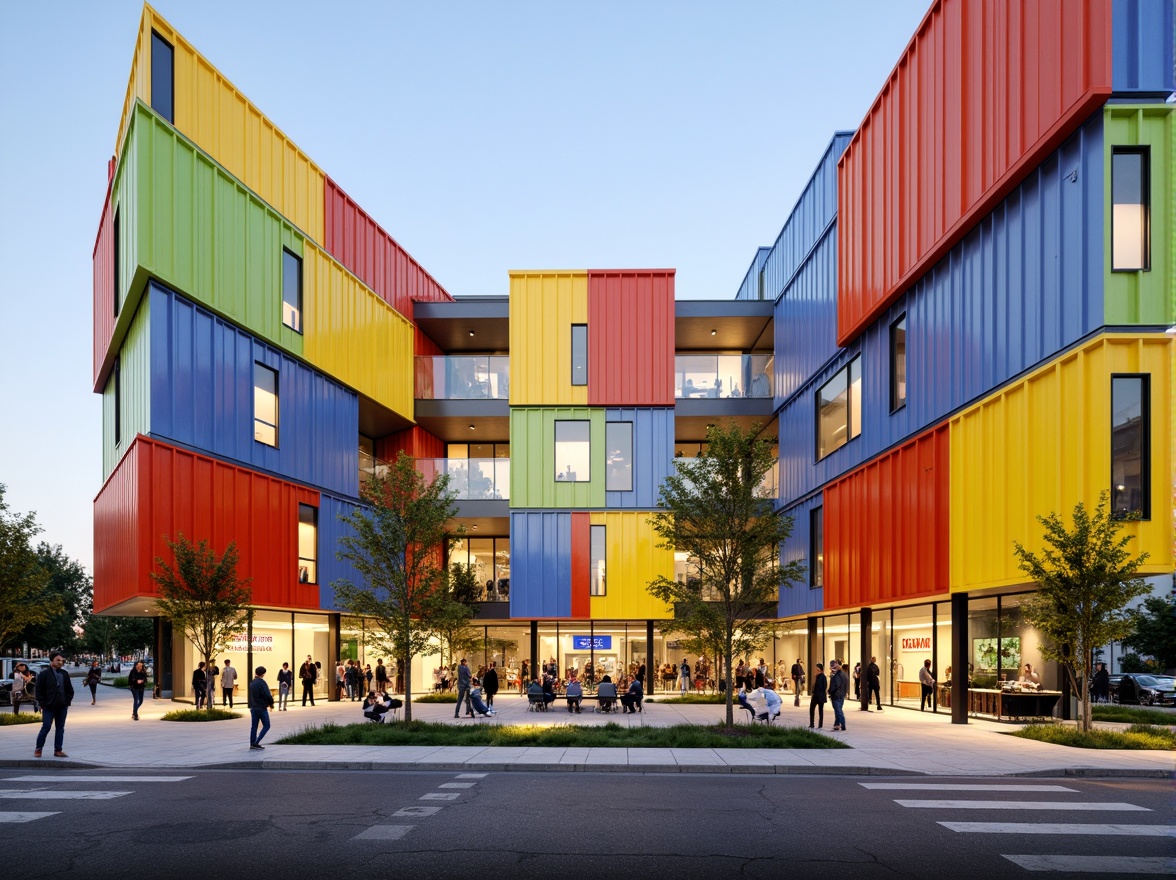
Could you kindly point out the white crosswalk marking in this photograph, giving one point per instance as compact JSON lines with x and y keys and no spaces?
{"x":6,"y":818}
{"x":939,"y":786}
{"x":471,"y":775}
{"x":384,"y":832}
{"x":441,"y":796}
{"x":416,"y":812}
{"x":457,"y":785}
{"x":48,"y":795}
{"x":1103,"y":830}
{"x":1096,"y":864}
{"x":77,"y":779}
{"x":1108,"y":806}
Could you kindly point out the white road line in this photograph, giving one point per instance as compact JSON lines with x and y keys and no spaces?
{"x":457,"y":785}
{"x":76,"y":779}
{"x":23,"y":817}
{"x":384,"y":832}
{"x":416,"y":812}
{"x":1109,"y":806}
{"x":1060,"y":828}
{"x":1096,"y":864}
{"x":441,"y":796}
{"x":936,"y":786}
{"x":471,"y":775}
{"x":46,"y":795}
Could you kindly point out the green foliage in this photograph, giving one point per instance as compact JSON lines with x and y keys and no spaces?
{"x":679,"y":736}
{"x":1136,"y":737}
{"x":1085,"y":581}
{"x":691,"y":699}
{"x":1155,"y":631}
{"x":122,"y":681}
{"x":26,"y":598}
{"x":108,"y":636}
{"x":202,"y":595}
{"x":68,"y":586}
{"x":8,"y":718}
{"x":715,"y":510}
{"x":1134,"y":663}
{"x":200,"y":715}
{"x":396,"y":544}
{"x":436,"y":698}
{"x":450,"y":623}
{"x":1134,"y":715}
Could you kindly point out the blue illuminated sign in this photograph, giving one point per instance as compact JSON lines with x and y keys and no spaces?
{"x":591,"y":643}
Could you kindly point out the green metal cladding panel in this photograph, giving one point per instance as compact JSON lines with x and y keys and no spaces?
{"x":532,"y":455}
{"x":135,"y":384}
{"x":1144,"y":297}
{"x":185,"y":221}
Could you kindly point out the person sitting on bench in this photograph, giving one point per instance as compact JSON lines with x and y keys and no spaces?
{"x":606,"y":695}
{"x":633,"y":696}
{"x":477,"y":702}
{"x":378,"y":705}
{"x":575,"y":695}
{"x":548,"y":689}
{"x":535,"y":696}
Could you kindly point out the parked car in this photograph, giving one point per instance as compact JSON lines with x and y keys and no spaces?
{"x":1146,"y":690}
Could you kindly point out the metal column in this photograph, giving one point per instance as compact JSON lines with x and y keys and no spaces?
{"x":959,"y":658}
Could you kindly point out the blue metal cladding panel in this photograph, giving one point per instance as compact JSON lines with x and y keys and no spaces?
{"x":749,"y":289}
{"x":800,"y":599}
{"x":330,"y":529}
{"x":1142,"y":36}
{"x":1026,"y":283}
{"x":653,"y":454}
{"x":202,"y":397}
{"x":540,"y":564}
{"x":805,"y":324}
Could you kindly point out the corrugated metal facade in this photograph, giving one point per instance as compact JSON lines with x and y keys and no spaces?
{"x":805,"y":318}
{"x":886,"y":526}
{"x":543,"y":308}
{"x":103,"y":280}
{"x":750,"y":288}
{"x":984,"y":91}
{"x":653,"y":454}
{"x":1044,"y":444}
{"x":158,"y":490}
{"x":631,"y":560}
{"x":372,"y":255}
{"x":532,"y":472}
{"x":630,"y":337}
{"x":800,"y":598}
{"x":134,"y":379}
{"x":540,"y":564}
{"x":1143,"y":46}
{"x":581,"y":588}
{"x":330,"y":530}
{"x":202,"y":396}
{"x":414,"y":441}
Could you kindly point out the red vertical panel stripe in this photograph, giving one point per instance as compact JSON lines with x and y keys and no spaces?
{"x":886,"y":527}
{"x":983,"y":92}
{"x":581,"y":562}
{"x":414,"y":441}
{"x":103,"y":268}
{"x":631,"y":337}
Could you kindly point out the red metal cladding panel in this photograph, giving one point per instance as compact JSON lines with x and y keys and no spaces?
{"x":631,"y":337}
{"x":372,"y":255}
{"x":886,"y":527}
{"x":159,"y":491}
{"x":984,"y":91}
{"x":103,"y":258}
{"x":581,"y":562}
{"x":414,"y":441}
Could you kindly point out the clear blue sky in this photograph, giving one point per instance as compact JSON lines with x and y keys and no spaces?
{"x":484,"y":136}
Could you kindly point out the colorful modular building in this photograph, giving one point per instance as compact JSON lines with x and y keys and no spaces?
{"x":960,"y":326}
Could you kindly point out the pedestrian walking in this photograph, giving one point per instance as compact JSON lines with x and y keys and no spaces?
{"x":228,"y":683}
{"x":340,"y":679}
{"x":684,"y":676}
{"x":873,"y":684}
{"x":93,"y":679}
{"x":137,"y":682}
{"x":21,"y":688}
{"x":200,"y":684}
{"x":463,"y":688}
{"x":381,"y":677}
{"x":308,"y":675}
{"x":490,"y":683}
{"x":927,"y":681}
{"x":797,"y":680}
{"x":367,"y":675}
{"x":285,"y":685}
{"x":54,"y":691}
{"x":354,"y":678}
{"x":838,"y":688}
{"x":817,"y":701}
{"x":260,"y":702}
{"x":525,"y":676}
{"x":213,"y":674}
{"x":857,"y":681}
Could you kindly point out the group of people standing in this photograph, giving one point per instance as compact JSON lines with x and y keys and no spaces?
{"x":204,"y":684}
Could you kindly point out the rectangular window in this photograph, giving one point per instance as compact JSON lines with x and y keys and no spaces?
{"x":573,"y":452}
{"x":1130,"y":209}
{"x":265,"y":405}
{"x":761,"y":284}
{"x":117,"y":403}
{"x":817,"y":548}
{"x":307,"y":544}
{"x":1130,"y":431}
{"x":618,"y":438}
{"x":579,"y":354}
{"x":163,"y":67}
{"x":839,"y":409}
{"x":597,"y":586}
{"x":291,"y":290}
{"x":117,"y":242}
{"x":898,"y":364}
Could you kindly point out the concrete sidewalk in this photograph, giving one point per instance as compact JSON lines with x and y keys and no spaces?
{"x":893,"y":742}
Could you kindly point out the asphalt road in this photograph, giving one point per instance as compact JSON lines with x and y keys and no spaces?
{"x":289,"y":825}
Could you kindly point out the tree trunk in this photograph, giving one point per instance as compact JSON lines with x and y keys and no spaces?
{"x":729,"y":661}
{"x":407,"y":686}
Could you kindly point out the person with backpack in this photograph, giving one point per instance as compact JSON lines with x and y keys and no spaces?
{"x":93,"y":679}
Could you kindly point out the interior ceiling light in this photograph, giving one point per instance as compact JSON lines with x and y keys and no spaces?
{"x":471,"y":427}
{"x":471,"y":333}
{"x":713,"y":332}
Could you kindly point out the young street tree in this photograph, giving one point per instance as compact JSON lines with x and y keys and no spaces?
{"x":1085,"y":580}
{"x":202,"y":595}
{"x":26,"y":599}
{"x":396,"y":546}
{"x":452,"y":625}
{"x":716,"y":510}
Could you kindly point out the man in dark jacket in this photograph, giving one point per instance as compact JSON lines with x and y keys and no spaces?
{"x":54,"y":692}
{"x":631,"y":699}
{"x":308,"y":673}
{"x":463,"y":689}
{"x":490,"y":683}
{"x":260,"y":702}
{"x":873,"y":684}
{"x":817,"y":702}
{"x":838,"y":688}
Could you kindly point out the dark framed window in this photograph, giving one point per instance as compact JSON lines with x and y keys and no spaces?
{"x":115,"y":234}
{"x":1130,"y":209}
{"x":292,"y":290}
{"x":816,"y":548}
{"x":1130,"y":447}
{"x":579,"y":354}
{"x":573,"y":451}
{"x":163,"y":78}
{"x":761,"y":284}
{"x":898,"y":364}
{"x":307,"y":544}
{"x":117,"y":379}
{"x":618,"y":442}
{"x":265,"y":405}
{"x":839,"y":409}
{"x":597,"y":585}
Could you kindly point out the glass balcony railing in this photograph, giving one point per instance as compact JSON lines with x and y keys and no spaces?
{"x":723,"y":375}
{"x":769,"y":486}
{"x":463,"y":377}
{"x":471,"y":478}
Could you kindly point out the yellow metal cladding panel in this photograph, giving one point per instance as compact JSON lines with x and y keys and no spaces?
{"x":632,"y":559}
{"x":543,"y":308}
{"x":354,"y":336}
{"x":221,"y":121}
{"x":1044,"y":444}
